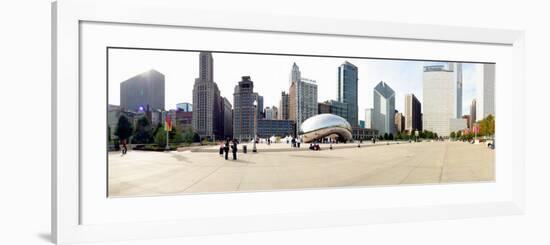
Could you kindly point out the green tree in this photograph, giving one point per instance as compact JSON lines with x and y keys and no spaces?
{"x":390,"y":136}
{"x":157,"y":128}
{"x":143,"y":134}
{"x":175,"y":135}
{"x":386,"y":136}
{"x":487,"y":126}
{"x":188,"y":136}
{"x":160,"y":138}
{"x":453,"y":135}
{"x":123,"y":128}
{"x":428,"y":134}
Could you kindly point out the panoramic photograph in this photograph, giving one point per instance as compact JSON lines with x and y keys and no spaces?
{"x":197,"y":122}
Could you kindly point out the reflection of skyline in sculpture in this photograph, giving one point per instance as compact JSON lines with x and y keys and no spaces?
{"x":325,"y":125}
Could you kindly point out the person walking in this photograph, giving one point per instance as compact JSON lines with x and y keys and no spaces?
{"x":222,"y":146}
{"x":124,"y":147}
{"x":226,"y":149}
{"x":234,"y":149}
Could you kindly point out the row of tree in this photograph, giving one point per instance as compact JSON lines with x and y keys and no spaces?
{"x":425,"y":134}
{"x":486,"y":128}
{"x":144,"y":133}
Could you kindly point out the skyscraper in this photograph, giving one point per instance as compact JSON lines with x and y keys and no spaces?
{"x":206,"y":69}
{"x":473,"y":113}
{"x":283,"y":107}
{"x":347,"y":90}
{"x":369,"y":117}
{"x":143,"y":91}
{"x":333,"y":107}
{"x":244,"y":110}
{"x":457,"y":70}
{"x":275,"y":113}
{"x":268,"y":111}
{"x":227,"y":116}
{"x":295,"y":74}
{"x":206,"y":100}
{"x":413,"y":119}
{"x":302,"y":97}
{"x":440,"y":100}
{"x":384,"y":109}
{"x":260,"y":106}
{"x":399,"y":122}
{"x":485,"y":91}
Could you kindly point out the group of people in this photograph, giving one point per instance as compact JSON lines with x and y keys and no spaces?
{"x":295,"y":143}
{"x":224,"y":148}
{"x":315,"y":146}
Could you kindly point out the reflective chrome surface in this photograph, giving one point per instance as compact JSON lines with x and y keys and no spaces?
{"x":323,"y":125}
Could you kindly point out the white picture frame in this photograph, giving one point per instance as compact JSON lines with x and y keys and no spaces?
{"x":67,"y":15}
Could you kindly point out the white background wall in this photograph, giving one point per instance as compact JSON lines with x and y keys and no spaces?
{"x":25,"y":98}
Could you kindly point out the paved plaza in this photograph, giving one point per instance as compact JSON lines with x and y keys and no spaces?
{"x":143,"y":173}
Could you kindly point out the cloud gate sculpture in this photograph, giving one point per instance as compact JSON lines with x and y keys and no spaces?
{"x":325,"y":125}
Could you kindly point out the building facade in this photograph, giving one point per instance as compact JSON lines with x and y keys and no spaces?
{"x":283,"y":107}
{"x":206,"y":101}
{"x":142,"y":91}
{"x":334,"y":107}
{"x":468,"y":119}
{"x":456,"y":124}
{"x":268,"y":112}
{"x":347,"y":91}
{"x":244,"y":111}
{"x":369,"y":117}
{"x":260,"y":106}
{"x":227,"y":116}
{"x":323,"y":108}
{"x":186,"y":107}
{"x":457,"y":71}
{"x":271,"y":113}
{"x":302,"y":97}
{"x":364,"y":133}
{"x":399,"y":122}
{"x":439,"y":99}
{"x":473,"y":112}
{"x":277,"y":128}
{"x":384,"y":109}
{"x":413,"y":120}
{"x":184,"y":120}
{"x":485,"y":91}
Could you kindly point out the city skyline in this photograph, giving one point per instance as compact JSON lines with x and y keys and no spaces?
{"x":178,"y":68}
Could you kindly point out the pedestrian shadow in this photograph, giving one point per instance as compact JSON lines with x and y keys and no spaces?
{"x":180,"y":158}
{"x":319,"y":157}
{"x":238,"y":161}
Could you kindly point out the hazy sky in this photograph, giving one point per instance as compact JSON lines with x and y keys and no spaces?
{"x":271,"y":73}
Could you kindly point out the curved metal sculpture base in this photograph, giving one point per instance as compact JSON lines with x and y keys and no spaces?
{"x":325,"y":125}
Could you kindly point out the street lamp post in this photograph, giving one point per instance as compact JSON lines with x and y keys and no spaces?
{"x":255,"y":126}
